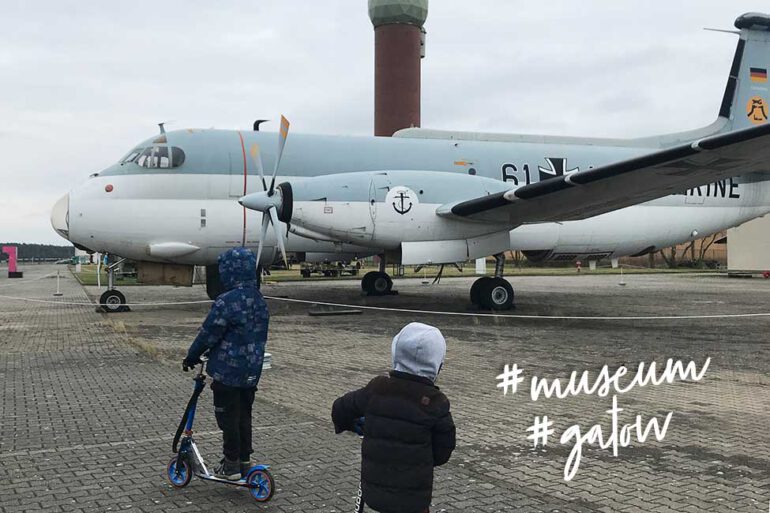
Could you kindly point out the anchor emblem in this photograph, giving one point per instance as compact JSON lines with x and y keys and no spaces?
{"x":402,"y":196}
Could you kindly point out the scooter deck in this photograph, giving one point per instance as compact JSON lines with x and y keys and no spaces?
{"x":240,"y":482}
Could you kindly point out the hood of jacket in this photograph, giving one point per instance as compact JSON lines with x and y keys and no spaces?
{"x":419,"y":349}
{"x":237,"y":266}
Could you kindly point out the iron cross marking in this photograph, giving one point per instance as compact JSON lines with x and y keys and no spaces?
{"x":401,"y":209}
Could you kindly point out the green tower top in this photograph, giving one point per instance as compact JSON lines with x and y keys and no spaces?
{"x":410,"y":12}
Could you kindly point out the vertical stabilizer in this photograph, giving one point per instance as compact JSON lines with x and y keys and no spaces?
{"x":746,"y":102}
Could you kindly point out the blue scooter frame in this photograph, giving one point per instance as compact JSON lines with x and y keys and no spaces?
{"x":188,"y":460}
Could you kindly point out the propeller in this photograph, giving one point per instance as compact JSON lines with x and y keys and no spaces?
{"x":268,"y":201}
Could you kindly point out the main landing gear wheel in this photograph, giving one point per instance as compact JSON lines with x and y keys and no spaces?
{"x":261,"y":484}
{"x":179,"y":472}
{"x":376,"y":283}
{"x":493,"y":293}
{"x":113,"y":301}
{"x":476,"y":287}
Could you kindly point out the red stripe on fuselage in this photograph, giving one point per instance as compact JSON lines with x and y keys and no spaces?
{"x":243,"y":150}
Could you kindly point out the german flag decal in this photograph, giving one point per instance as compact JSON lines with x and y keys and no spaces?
{"x":758,"y":74}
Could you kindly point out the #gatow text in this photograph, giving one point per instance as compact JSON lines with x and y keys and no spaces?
{"x":618,"y":382}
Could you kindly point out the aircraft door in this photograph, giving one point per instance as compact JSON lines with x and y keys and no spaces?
{"x":378,"y":189}
{"x":373,"y":201}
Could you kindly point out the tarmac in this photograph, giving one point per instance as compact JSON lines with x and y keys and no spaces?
{"x":91,"y":401}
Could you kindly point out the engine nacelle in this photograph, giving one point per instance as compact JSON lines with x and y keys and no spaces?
{"x":384,"y":209}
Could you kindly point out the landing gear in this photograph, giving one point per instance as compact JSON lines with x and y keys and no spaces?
{"x":112,"y":300}
{"x":376,"y":283}
{"x":493,"y":293}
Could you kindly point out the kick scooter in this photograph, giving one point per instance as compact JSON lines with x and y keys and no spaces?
{"x":188,"y":460}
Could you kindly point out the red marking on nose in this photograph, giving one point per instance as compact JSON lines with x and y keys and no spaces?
{"x":108,"y":187}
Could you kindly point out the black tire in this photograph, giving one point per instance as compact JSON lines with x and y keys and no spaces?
{"x":214,"y":285}
{"x":375,"y":283}
{"x":496,"y":294}
{"x":381,"y":285}
{"x":366,"y":281}
{"x":476,"y":287}
{"x":112,"y":301}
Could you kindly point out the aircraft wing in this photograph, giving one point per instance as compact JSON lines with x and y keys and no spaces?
{"x":622,"y":184}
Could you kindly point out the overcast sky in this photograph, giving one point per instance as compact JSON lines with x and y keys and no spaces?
{"x":82,"y":81}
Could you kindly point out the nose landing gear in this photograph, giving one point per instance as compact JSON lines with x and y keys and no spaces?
{"x":493,"y":292}
{"x":112,"y":300}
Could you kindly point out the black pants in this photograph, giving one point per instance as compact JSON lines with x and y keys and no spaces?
{"x":232,"y":408}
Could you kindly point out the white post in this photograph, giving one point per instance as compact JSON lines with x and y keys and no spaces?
{"x":58,"y":291}
{"x":99,"y":271}
{"x":481,"y":266}
{"x":592,"y":265}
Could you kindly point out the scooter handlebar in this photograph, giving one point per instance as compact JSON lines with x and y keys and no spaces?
{"x":203,"y":359}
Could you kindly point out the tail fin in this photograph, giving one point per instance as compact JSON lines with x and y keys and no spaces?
{"x":746,"y":102}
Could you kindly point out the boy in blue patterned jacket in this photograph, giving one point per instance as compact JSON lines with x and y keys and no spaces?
{"x":234,"y":334}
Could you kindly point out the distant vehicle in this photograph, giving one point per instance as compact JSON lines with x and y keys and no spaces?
{"x":330,"y":269}
{"x":74,"y":260}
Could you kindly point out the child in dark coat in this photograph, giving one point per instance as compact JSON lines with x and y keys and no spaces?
{"x":234,"y":334}
{"x":408,"y":428}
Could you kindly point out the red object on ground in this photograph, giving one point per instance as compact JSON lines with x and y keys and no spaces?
{"x":11,"y":251}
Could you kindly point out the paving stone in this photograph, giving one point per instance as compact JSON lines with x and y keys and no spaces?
{"x":90,"y":401}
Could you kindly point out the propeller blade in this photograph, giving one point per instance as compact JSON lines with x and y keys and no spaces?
{"x":262,"y":235}
{"x":283,"y":133}
{"x":256,"y":156}
{"x":274,"y":218}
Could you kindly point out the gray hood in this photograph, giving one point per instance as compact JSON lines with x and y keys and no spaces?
{"x":419,"y":349}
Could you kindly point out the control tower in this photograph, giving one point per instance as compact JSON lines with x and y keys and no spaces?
{"x":399,"y":42}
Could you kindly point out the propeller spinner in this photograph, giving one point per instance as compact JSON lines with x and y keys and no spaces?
{"x":269,"y":201}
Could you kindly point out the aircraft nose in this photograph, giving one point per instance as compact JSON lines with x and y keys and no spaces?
{"x":60,"y":216}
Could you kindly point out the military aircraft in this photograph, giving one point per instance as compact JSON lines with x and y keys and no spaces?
{"x":432,"y":197}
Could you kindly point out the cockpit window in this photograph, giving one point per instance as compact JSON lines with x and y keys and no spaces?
{"x":131,"y":156}
{"x":158,"y":157}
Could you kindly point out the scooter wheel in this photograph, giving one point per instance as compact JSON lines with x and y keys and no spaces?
{"x":179,"y":472}
{"x":261,"y":484}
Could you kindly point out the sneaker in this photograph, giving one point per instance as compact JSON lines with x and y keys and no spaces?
{"x":245,"y":466}
{"x":228,"y":469}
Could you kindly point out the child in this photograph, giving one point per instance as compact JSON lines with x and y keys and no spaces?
{"x":234,"y":334}
{"x":408,"y":429}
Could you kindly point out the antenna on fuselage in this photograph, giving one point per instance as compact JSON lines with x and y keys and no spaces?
{"x":259,"y":122}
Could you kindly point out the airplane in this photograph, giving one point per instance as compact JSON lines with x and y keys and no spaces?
{"x":432,"y":197}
